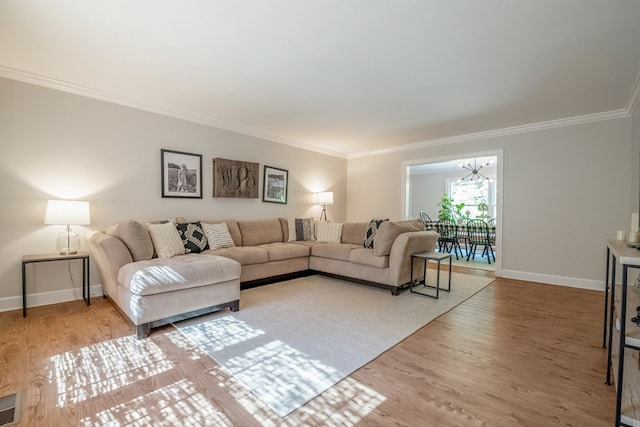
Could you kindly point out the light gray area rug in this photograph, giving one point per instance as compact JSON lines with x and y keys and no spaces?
{"x":293,"y":340}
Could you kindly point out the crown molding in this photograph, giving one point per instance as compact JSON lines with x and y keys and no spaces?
{"x":571,"y":121}
{"x":114,"y":98}
{"x":633,"y":102}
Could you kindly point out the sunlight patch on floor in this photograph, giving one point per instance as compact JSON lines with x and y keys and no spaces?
{"x":104,"y":367}
{"x":178,"y":404}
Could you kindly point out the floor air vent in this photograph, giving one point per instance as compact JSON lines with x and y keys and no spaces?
{"x":9,"y":410}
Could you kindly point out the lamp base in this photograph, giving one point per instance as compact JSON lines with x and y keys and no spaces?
{"x":68,"y":243}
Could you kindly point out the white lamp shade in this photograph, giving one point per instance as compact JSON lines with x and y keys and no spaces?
{"x":67,"y":212}
{"x":325,"y":197}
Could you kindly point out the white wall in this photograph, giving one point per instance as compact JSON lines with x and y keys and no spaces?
{"x":565,"y":191}
{"x":59,"y":145}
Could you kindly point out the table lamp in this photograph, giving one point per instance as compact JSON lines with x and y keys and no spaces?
{"x":67,"y":212}
{"x":324,"y":198}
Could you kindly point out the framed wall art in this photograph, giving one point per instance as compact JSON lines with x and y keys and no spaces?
{"x":181,"y":174}
{"x":234,"y":178}
{"x":276,"y":183}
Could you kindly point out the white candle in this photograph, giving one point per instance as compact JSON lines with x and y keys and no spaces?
{"x":634,"y":221}
{"x":622,"y":235}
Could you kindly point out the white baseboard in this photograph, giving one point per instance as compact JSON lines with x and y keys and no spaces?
{"x":572,"y":282}
{"x":46,"y":298}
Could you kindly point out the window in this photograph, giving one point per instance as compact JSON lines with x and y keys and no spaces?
{"x":472,"y":194}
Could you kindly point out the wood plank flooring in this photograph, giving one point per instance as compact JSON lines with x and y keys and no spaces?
{"x":515,"y":354}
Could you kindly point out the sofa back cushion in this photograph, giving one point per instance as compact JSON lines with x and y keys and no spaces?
{"x":387,"y":233}
{"x":353,"y":232}
{"x":135,"y":237}
{"x":260,"y":232}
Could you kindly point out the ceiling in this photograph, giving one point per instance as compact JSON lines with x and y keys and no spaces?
{"x":344,"y":77}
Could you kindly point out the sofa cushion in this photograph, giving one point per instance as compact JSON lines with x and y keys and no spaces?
{"x":354,"y":232}
{"x":372,"y":228}
{"x":367,"y":257}
{"x":245,"y":255}
{"x":328,"y":232}
{"x":284,"y":251}
{"x":218,"y":235}
{"x":300,"y":229}
{"x":387,"y":233}
{"x":338,"y":251}
{"x":193,"y":237}
{"x":135,"y":237}
{"x":160,"y":275}
{"x":260,"y":232}
{"x":166,"y":239}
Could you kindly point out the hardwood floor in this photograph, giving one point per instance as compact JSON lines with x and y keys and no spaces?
{"x":515,"y":354}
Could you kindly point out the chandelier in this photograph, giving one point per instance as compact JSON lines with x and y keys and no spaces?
{"x":474,"y":171}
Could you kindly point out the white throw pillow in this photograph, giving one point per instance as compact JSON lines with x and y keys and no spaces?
{"x":218,"y":235}
{"x":329,"y":232}
{"x":166,"y":239}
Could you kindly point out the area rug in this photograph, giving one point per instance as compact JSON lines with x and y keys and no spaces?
{"x":293,"y":340}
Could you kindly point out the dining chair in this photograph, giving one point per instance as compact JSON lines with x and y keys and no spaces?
{"x":448,"y":240}
{"x":478,"y":235}
{"x":426,"y":220}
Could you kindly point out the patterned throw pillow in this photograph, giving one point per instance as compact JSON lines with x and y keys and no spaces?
{"x":300,"y":229}
{"x":193,"y":237}
{"x":218,"y":235}
{"x":372,"y":229}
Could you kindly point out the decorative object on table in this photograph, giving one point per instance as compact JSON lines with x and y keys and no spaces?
{"x":634,"y":237}
{"x":474,"y":170}
{"x":621,"y":235}
{"x":276,"y":184}
{"x":324,"y":198}
{"x":636,"y":284}
{"x":484,"y":208}
{"x":234,"y":178}
{"x":68,"y":213}
{"x":636,"y":319}
{"x":634,"y":221}
{"x":181,"y":174}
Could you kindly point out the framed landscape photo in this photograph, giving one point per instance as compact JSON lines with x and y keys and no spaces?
{"x":181,"y":174}
{"x":276,"y":182}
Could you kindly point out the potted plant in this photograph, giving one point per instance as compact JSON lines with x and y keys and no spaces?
{"x":446,"y":208}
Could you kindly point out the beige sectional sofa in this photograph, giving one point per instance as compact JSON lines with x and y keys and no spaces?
{"x":146,"y":273}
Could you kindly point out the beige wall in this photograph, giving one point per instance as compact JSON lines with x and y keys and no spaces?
{"x":59,"y":145}
{"x":565,"y":190}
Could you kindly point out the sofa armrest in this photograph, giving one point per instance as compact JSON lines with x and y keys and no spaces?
{"x":403,"y":246}
{"x":110,"y":254}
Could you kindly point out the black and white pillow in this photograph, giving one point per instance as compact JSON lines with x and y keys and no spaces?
{"x":193,"y":237}
{"x":372,"y":229}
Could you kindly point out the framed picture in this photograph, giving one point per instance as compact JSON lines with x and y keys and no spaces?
{"x":234,"y":178}
{"x":181,"y":174}
{"x":276,"y":182}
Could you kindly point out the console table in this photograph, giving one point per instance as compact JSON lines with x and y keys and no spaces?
{"x":623,"y":335}
{"x":29,"y":259}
